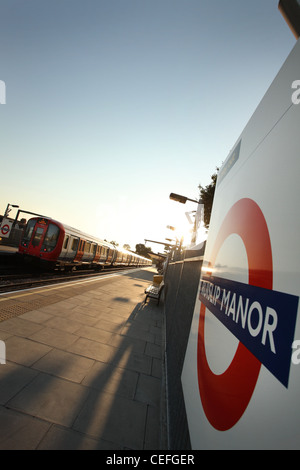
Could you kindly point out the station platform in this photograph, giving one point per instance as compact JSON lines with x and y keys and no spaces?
{"x":8,"y":250}
{"x":84,"y":366}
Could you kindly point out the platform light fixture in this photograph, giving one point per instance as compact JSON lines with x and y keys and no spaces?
{"x":182,"y":199}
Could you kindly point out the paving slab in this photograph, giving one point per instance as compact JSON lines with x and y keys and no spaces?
{"x":84,"y":366}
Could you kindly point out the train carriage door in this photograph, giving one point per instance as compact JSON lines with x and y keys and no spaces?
{"x":69,"y":249}
{"x":64,"y":250}
{"x":38,"y":235}
{"x":80,"y":251}
{"x":110,"y":256}
{"x":94,"y":252}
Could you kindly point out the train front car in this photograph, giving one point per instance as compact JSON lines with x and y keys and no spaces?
{"x":48,"y":244}
{"x":42,"y":241}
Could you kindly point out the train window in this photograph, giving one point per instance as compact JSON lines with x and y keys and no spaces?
{"x":66,"y":242}
{"x":37,"y":236}
{"x":75,"y":244}
{"x":51,"y":238}
{"x":87,"y":247}
{"x":94,"y":247}
{"x":29,"y":230}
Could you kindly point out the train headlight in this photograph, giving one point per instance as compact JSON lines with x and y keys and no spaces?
{"x":45,"y":249}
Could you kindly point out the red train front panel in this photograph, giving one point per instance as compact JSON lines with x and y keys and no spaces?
{"x":42,"y":239}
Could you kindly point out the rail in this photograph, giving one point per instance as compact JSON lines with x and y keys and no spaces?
{"x":16,"y":282}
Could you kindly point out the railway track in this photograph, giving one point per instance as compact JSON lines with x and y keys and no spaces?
{"x":11,"y":282}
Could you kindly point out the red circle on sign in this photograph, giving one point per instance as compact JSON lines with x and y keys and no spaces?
{"x":5,"y":229}
{"x":225,"y":397}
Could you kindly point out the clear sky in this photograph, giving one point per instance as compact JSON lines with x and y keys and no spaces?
{"x":113,"y":104}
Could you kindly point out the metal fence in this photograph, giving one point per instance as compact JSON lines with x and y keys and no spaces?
{"x":181,"y":284}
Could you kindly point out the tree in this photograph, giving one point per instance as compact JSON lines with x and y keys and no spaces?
{"x":207,"y":195}
{"x":126,"y":247}
{"x":143,"y":250}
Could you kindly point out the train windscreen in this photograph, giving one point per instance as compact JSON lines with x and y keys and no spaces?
{"x":51,"y":238}
{"x":28,"y":231}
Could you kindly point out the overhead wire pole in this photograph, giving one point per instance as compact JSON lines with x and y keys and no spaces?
{"x":7,"y":210}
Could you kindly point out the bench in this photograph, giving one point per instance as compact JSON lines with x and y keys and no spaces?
{"x":154,"y":292}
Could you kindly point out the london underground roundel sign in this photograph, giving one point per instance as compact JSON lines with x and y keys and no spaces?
{"x":5,"y":229}
{"x":254,"y":313}
{"x":226,"y":396}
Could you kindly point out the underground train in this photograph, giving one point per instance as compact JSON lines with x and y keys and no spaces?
{"x":56,"y":245}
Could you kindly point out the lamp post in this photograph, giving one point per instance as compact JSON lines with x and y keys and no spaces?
{"x":178,"y":243}
{"x":7,"y":210}
{"x":182,"y":200}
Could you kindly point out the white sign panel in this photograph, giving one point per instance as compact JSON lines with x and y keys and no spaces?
{"x":5,"y":228}
{"x":241,"y":375}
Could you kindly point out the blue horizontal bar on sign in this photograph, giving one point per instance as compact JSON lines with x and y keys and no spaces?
{"x":263,"y":320}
